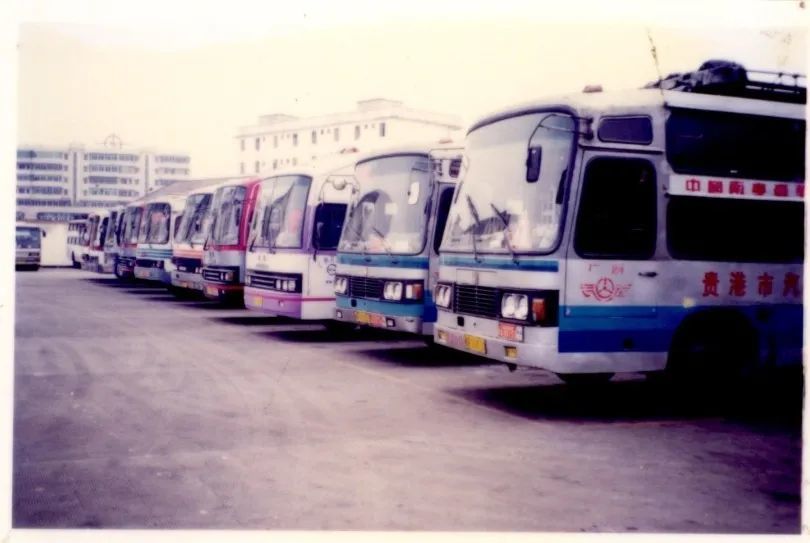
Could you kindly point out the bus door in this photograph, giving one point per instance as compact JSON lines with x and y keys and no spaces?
{"x":444,"y":199}
{"x":612,"y":280}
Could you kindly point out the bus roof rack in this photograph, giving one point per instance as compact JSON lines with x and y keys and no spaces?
{"x":726,"y":78}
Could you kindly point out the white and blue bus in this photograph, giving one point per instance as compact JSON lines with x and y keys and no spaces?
{"x":638,"y":231}
{"x":387,"y":260}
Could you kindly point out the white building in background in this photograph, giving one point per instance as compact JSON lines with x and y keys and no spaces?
{"x":279,"y":140}
{"x":58,"y":183}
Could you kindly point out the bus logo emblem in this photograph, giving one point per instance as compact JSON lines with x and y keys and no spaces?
{"x":604,"y":290}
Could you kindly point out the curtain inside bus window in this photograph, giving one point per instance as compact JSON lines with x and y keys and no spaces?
{"x":735,"y":145}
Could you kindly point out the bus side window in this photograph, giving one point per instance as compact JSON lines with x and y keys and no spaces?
{"x":445,"y":200}
{"x":617,"y":210}
{"x":328,"y":225}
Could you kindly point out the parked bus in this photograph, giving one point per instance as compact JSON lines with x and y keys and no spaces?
{"x":227,"y":224}
{"x":94,"y":253}
{"x":75,"y":237}
{"x":28,"y":247}
{"x":112,"y":247}
{"x":387,"y":260}
{"x":128,"y":240}
{"x":187,"y":248}
{"x":661,"y":228}
{"x":153,"y":254}
{"x":295,"y":231}
{"x":89,"y":235}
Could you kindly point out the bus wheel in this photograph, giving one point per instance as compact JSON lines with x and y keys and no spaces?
{"x":712,"y":351}
{"x":339,"y":328}
{"x":585,"y":379}
{"x":73,"y":261}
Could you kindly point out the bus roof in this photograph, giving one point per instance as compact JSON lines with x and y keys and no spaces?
{"x":416,"y":148}
{"x":588,"y":104}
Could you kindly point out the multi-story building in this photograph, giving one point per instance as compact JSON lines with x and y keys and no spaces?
{"x":57,"y":183}
{"x":280,"y":140}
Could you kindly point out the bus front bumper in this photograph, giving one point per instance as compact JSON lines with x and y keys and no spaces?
{"x":539,"y":348}
{"x":224,"y":293}
{"x":152,"y":274}
{"x":387,"y":315}
{"x":192,"y":281}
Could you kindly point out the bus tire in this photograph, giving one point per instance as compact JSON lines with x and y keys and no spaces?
{"x":585,"y":379}
{"x":711,"y":349}
{"x":75,"y":264}
{"x":339,"y":328}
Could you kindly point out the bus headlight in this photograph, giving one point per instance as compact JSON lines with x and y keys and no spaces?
{"x":515,"y":306}
{"x":444,"y":295}
{"x":341,"y":285}
{"x":227,"y":276}
{"x":392,"y":290}
{"x":289,"y":285}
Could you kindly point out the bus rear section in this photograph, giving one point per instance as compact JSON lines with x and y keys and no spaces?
{"x":294,"y":236}
{"x":187,"y":247}
{"x":75,"y":236}
{"x":224,"y":250}
{"x":153,"y":254}
{"x":384,"y":273}
{"x":642,"y":231}
{"x":28,"y":247}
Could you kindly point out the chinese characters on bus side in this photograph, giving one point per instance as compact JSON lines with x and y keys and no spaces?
{"x":734,"y":187}
{"x":738,"y":284}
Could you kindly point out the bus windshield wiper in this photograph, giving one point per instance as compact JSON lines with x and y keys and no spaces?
{"x":501,"y":216}
{"x":475,"y":216}
{"x":384,"y":241}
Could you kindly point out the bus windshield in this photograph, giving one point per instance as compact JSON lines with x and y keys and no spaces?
{"x":28,"y":237}
{"x":101,"y":231}
{"x":89,"y":231}
{"x":226,"y":214}
{"x":190,"y":227}
{"x":112,"y":228}
{"x":134,"y":225}
{"x":501,"y":205}
{"x":155,"y":227}
{"x":391,"y":214}
{"x":279,"y":221}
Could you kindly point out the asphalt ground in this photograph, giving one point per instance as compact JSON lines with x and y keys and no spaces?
{"x":134,"y":409}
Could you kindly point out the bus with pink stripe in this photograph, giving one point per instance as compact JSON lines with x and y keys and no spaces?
{"x":293,"y":241}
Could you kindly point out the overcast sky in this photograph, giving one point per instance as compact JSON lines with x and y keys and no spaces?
{"x":189,"y":85}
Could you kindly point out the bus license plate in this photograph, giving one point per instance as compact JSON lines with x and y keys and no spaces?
{"x":212,"y":291}
{"x":362,"y":317}
{"x":257,"y":301}
{"x":475,"y":344}
{"x":184,"y":284}
{"x":509,"y":331}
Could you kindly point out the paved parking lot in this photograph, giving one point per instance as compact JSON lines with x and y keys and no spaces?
{"x":137,"y":410}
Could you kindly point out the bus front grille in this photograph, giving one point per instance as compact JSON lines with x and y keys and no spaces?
{"x":365,"y":287}
{"x":477,"y":301}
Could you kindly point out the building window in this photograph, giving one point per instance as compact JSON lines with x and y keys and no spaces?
{"x":295,"y":140}
{"x":275,"y":141}
{"x":242,"y":168}
{"x":257,"y":144}
{"x":295,"y":161}
{"x":382,"y":130}
{"x":337,"y":134}
{"x":275,"y":164}
{"x":315,"y":137}
{"x":357,"y":132}
{"x":242,"y":143}
{"x":257,"y":166}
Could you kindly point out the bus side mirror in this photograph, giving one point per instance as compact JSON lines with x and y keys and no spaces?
{"x":318,"y":233}
{"x":533,"y":161}
{"x":44,"y":235}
